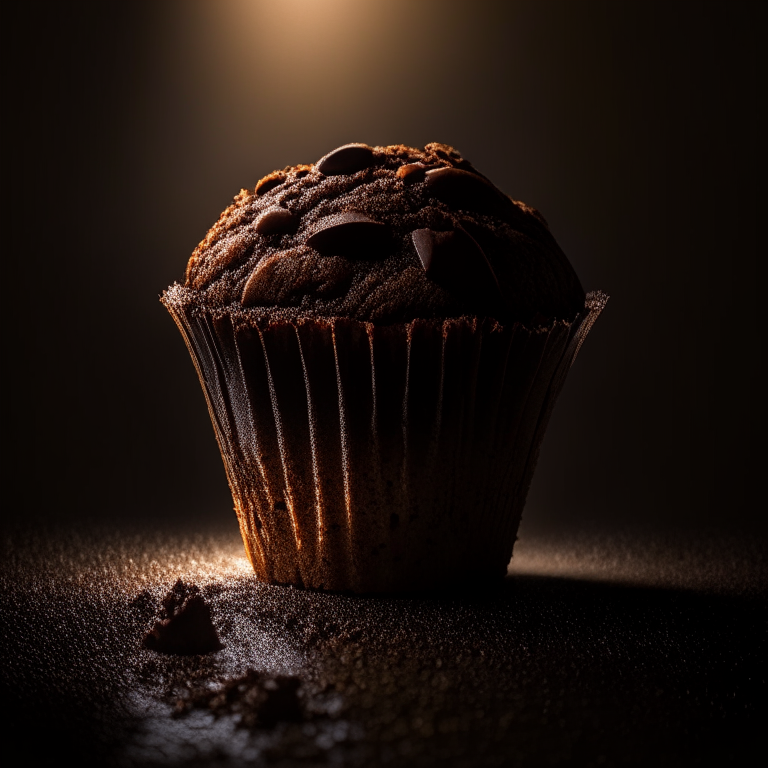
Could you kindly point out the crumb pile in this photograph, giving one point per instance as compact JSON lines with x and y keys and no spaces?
{"x":185,"y":627}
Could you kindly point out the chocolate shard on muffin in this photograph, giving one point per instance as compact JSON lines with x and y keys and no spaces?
{"x":380,"y":336}
{"x":275,"y":221}
{"x":456,"y":262}
{"x":352,"y":233}
{"x":347,"y":159}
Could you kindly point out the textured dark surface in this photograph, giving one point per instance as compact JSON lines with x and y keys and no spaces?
{"x":593,"y":651}
{"x":334,"y":239}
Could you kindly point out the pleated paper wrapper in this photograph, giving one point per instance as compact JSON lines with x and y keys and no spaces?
{"x":367,"y":458}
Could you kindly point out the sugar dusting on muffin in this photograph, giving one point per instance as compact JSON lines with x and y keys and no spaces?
{"x":385,"y":235}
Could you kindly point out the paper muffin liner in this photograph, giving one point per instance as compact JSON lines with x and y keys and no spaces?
{"x":371,"y":458}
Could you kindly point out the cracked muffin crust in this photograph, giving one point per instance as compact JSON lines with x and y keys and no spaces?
{"x":385,"y":235}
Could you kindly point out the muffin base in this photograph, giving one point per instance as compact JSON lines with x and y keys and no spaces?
{"x":368,"y":458}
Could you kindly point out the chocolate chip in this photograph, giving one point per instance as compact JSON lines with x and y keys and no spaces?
{"x":276,"y":221}
{"x":350,"y":233}
{"x":253,"y":290}
{"x":230,"y":251}
{"x":458,"y":264}
{"x":270,"y":281}
{"x":411,"y":173}
{"x":347,"y":159}
{"x":269,"y":182}
{"x":464,"y":189}
{"x":283,"y":279}
{"x":424,"y":243}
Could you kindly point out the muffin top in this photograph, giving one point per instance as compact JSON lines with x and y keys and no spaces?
{"x":385,"y":235}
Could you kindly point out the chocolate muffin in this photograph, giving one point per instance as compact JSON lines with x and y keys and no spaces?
{"x":381,"y":337}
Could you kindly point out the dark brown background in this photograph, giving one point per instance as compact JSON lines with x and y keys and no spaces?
{"x":634,"y":127}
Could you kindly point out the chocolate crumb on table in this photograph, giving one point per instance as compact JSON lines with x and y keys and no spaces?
{"x":259,"y":700}
{"x":185,"y":627}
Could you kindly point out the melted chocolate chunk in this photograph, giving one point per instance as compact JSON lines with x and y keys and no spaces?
{"x":276,"y":221}
{"x":464,"y":189}
{"x":349,"y":233}
{"x":458,"y":264}
{"x":347,"y":159}
{"x":269,"y":182}
{"x":411,"y":173}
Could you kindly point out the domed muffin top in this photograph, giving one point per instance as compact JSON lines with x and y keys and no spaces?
{"x":385,"y":235}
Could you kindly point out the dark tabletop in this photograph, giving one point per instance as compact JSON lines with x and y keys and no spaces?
{"x":595,"y":650}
